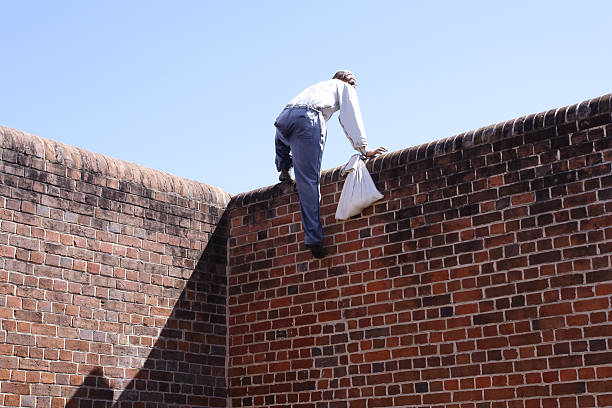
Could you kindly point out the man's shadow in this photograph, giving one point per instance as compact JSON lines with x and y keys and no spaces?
{"x":95,"y":392}
{"x":186,"y":366}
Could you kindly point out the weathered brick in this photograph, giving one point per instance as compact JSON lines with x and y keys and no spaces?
{"x":481,"y":277}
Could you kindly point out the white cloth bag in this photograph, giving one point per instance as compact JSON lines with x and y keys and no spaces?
{"x":358,"y":191}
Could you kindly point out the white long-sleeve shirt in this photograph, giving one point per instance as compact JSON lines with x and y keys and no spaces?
{"x":331,"y":96}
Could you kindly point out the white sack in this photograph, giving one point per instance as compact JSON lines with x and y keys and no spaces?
{"x":358,"y":191}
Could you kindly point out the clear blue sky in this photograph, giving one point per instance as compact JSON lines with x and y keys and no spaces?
{"x":193,"y":87}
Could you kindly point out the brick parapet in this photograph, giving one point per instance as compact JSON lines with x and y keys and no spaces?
{"x":41,"y":153}
{"x":481,"y":279}
{"x":112,"y":281}
{"x":575,"y":117}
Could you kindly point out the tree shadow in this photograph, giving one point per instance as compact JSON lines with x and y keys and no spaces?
{"x":187,"y":365}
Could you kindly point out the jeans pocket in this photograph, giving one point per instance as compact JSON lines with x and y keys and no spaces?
{"x":306,"y":126}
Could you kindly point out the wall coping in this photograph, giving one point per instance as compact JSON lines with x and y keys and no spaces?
{"x":578,"y":113}
{"x":80,"y":159}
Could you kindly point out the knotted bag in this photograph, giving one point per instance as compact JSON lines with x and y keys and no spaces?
{"x":358,"y":191}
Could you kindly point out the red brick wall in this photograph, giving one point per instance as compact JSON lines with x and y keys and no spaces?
{"x":112,"y":282}
{"x":482,"y":279}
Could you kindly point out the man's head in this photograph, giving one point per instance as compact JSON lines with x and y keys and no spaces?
{"x":346,"y":76}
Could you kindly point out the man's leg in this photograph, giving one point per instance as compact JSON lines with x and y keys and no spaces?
{"x":283,"y":152}
{"x":283,"y":157}
{"x":307,"y":149}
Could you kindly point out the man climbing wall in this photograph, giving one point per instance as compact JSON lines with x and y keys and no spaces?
{"x":300,"y":139}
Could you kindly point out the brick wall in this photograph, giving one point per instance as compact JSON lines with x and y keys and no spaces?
{"x":112,"y":282}
{"x":482,"y":279}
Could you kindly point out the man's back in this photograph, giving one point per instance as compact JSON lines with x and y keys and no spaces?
{"x":322,"y":95}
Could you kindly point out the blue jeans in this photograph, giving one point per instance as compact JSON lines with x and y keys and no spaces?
{"x":299,"y":144}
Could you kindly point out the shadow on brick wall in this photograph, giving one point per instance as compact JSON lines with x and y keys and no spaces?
{"x":95,"y":392}
{"x":186,"y":366}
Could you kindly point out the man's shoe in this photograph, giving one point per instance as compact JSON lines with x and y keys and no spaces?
{"x":284,"y":175}
{"x":317,"y":250}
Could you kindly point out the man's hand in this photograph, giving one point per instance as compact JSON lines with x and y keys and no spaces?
{"x":374,"y":153}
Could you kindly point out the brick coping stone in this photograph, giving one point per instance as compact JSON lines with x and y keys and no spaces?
{"x":583,"y":114}
{"x":78,"y":159}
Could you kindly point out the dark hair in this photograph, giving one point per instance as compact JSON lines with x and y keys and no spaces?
{"x":346,"y":76}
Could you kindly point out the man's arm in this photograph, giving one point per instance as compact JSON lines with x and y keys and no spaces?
{"x":352,"y":123}
{"x":375,"y":152}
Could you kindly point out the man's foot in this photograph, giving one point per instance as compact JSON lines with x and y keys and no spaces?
{"x":317,"y":250}
{"x":284,"y":175}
